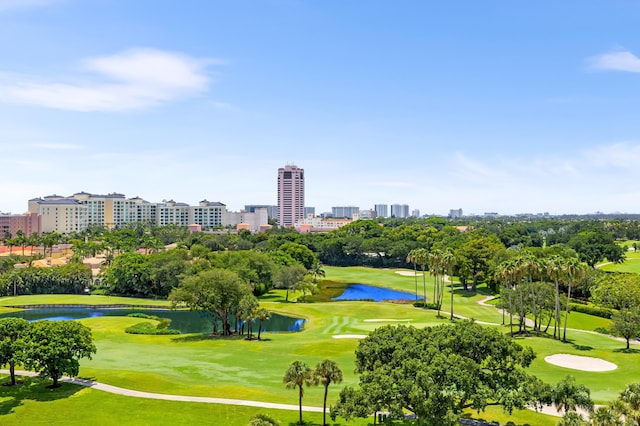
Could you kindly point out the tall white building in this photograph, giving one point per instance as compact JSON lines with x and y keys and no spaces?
{"x":345,"y":211}
{"x":290,"y":195}
{"x":382,"y":210}
{"x":400,"y":211}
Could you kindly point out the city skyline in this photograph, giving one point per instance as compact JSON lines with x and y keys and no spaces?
{"x":489,"y":107}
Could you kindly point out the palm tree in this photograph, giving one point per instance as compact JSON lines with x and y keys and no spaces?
{"x":435,"y":265}
{"x":411,"y":257}
{"x":422,"y":259}
{"x":316,"y":271}
{"x":326,"y":372}
{"x":574,"y":272}
{"x":448,"y":259}
{"x":298,"y":374}
{"x":262,"y":314}
{"x":569,"y":396}
{"x":630,"y":402}
{"x":553,"y":266}
{"x":606,"y":416}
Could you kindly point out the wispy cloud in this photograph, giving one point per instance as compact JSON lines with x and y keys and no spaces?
{"x":134,"y":79}
{"x":616,"y":60}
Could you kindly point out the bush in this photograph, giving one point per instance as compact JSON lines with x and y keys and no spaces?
{"x":421,"y":304}
{"x":592,"y":310}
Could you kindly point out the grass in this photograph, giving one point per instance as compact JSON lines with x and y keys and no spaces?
{"x":199,"y":365}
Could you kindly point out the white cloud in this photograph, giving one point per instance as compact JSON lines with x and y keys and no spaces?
{"x":134,"y":79}
{"x":617,"y":60}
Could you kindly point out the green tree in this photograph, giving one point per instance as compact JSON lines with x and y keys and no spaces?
{"x":325,"y":373}
{"x":626,"y":323}
{"x":289,"y":278}
{"x":297,"y":375}
{"x":217,"y":290}
{"x":300,"y":253}
{"x":473,"y":257}
{"x":54,"y":348}
{"x":316,"y":271}
{"x":12,"y":333}
{"x":262,"y":314}
{"x":128,"y":275}
{"x":568,"y":395}
{"x":437,"y":372}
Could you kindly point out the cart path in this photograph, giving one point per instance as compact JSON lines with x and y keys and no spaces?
{"x":168,"y":397}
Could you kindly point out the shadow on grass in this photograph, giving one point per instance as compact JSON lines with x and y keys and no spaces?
{"x":582,"y":347}
{"x":627,"y":351}
{"x":210,"y":337}
{"x":33,"y":389}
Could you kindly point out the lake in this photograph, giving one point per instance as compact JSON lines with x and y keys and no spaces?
{"x":184,"y":321}
{"x":378,"y":294}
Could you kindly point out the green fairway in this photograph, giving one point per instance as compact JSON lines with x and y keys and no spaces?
{"x":199,"y":365}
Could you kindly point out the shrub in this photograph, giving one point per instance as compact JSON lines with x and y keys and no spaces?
{"x":147,"y":328}
{"x":592,"y":310}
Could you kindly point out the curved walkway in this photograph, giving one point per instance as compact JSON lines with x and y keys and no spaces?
{"x":168,"y":397}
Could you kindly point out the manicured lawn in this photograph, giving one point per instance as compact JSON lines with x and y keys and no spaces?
{"x":198,"y":365}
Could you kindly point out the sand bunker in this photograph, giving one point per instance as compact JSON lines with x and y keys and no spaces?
{"x":386,"y":320}
{"x":584,"y":363}
{"x":349,"y":336}
{"x":409,"y":273}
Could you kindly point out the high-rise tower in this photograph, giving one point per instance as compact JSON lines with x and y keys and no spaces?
{"x":290,"y":195}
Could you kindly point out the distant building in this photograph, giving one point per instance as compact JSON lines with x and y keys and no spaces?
{"x":415,"y":213}
{"x":367,"y":214}
{"x":28,"y":223}
{"x":345,"y":211}
{"x":381,"y":210}
{"x":290,"y":195}
{"x":491,"y":214}
{"x":320,"y":224}
{"x":253,"y":221}
{"x":309,"y":211}
{"x":272,"y":211}
{"x":455,"y":213}
{"x":400,"y":211}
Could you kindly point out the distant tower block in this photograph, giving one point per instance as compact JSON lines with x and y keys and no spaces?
{"x":290,"y":195}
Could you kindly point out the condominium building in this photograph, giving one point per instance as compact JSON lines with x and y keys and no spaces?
{"x":382,"y":210}
{"x":400,"y":211}
{"x":345,"y":211}
{"x":272,"y":211}
{"x":59,"y":214}
{"x":290,"y":195}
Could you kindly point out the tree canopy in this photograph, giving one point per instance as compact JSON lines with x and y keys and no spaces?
{"x":437,"y":372}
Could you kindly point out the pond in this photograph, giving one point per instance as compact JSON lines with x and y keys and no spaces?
{"x":182,"y":320}
{"x":369,"y":292}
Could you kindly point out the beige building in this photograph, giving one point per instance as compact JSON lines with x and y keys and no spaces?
{"x":319,"y":224}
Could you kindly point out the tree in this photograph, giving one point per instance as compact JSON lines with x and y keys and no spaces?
{"x":475,"y":254}
{"x":567,"y":395}
{"x":289,"y":277}
{"x":297,"y":375}
{"x":574,"y":273}
{"x":316,"y":271}
{"x":217,"y":290}
{"x":437,"y":372}
{"x":326,"y":372}
{"x":626,"y":323}
{"x":12,"y":333}
{"x":54,"y":348}
{"x":262,"y":314}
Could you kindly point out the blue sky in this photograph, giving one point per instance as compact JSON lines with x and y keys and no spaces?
{"x":489,"y":106}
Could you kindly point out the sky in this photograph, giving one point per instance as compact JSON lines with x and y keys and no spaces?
{"x":489,"y":106}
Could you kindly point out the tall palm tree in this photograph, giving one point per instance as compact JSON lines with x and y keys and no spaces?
{"x":448,"y":260}
{"x":553,"y":266}
{"x":262,"y":314}
{"x":574,"y":272}
{"x":435,"y":266}
{"x":411,"y":257}
{"x":422,"y":259}
{"x":326,"y":372}
{"x":298,"y":374}
{"x":630,"y":402}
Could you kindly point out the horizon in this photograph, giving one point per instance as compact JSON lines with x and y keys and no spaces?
{"x":493,"y":107}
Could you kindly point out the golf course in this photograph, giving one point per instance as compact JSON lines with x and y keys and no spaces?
{"x":200,"y":365}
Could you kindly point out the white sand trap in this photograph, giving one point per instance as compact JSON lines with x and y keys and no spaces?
{"x":349,"y":336}
{"x":409,"y":274}
{"x":386,"y":320}
{"x":577,"y":362}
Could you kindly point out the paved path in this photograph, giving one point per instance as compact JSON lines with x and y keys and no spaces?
{"x":183,"y":398}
